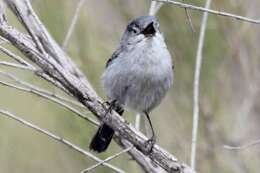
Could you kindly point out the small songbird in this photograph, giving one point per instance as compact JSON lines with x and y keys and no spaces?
{"x":137,"y":76}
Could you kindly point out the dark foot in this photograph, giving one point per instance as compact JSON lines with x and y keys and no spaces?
{"x":106,"y":103}
{"x":149,"y":144}
{"x":111,"y":105}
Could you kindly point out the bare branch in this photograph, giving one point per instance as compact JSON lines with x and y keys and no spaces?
{"x":57,"y":138}
{"x":220,"y":13}
{"x":106,"y":160}
{"x":141,"y":159}
{"x":189,"y":19}
{"x":68,"y":75}
{"x":48,"y":78}
{"x":145,"y":162}
{"x":72,"y":24}
{"x":26,"y":46}
{"x":40,"y":90}
{"x":3,"y":40}
{"x":154,"y":7}
{"x":23,"y":10}
{"x":16,"y":66}
{"x":51,"y":99}
{"x":44,"y":94}
{"x":16,"y":57}
{"x":242,"y":147}
{"x":196,"y":86}
{"x":137,"y":121}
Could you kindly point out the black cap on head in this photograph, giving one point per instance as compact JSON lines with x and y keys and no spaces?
{"x":146,"y":25}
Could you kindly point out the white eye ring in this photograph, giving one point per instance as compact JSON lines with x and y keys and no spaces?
{"x":135,"y":30}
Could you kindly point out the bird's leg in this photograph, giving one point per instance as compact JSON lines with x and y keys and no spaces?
{"x":150,"y":142}
{"x":111,"y":106}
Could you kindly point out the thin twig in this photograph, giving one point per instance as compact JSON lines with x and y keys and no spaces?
{"x":189,"y":19}
{"x":138,"y":121}
{"x":16,"y":57}
{"x":196,"y":86}
{"x":37,"y":90}
{"x":43,"y":47}
{"x":72,"y":24}
{"x":52,"y":97}
{"x":70,"y":108}
{"x":193,"y":7}
{"x":32,"y":32}
{"x":3,"y":40}
{"x":154,"y":7}
{"x":246,"y":146}
{"x":15,"y":65}
{"x":43,"y":91}
{"x":75,"y":83}
{"x":106,"y":160}
{"x":57,"y":138}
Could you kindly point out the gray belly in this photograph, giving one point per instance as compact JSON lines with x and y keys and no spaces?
{"x":138,"y":91}
{"x":145,"y":95}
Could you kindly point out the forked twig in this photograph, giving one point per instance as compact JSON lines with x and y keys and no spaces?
{"x":220,"y":13}
{"x":106,"y":160}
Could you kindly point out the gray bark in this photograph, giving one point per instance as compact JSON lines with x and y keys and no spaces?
{"x":56,"y":67}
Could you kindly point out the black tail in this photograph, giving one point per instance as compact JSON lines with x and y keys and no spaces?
{"x":104,"y":135}
{"x":102,"y":138}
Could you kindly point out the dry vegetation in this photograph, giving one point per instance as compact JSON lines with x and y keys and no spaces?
{"x":229,"y":88}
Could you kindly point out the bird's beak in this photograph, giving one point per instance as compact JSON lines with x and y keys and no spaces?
{"x":149,"y":31}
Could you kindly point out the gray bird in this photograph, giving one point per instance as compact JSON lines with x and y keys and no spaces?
{"x":137,"y":76}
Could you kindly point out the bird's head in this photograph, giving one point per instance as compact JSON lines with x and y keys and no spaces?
{"x":141,"y":29}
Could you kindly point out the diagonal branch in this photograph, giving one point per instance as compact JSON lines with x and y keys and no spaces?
{"x":41,"y":36}
{"x":44,"y":94}
{"x":72,"y":24}
{"x":27,"y":46}
{"x":77,"y":85}
{"x":106,"y":160}
{"x":37,"y":89}
{"x":57,"y":138}
{"x":145,"y":162}
{"x":15,"y":57}
{"x":15,"y":65}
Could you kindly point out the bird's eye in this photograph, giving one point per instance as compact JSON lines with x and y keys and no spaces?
{"x":134,"y":30}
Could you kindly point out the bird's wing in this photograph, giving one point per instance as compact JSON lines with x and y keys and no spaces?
{"x":113,"y":57}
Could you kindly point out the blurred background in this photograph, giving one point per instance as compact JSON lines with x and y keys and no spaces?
{"x":230,"y":103}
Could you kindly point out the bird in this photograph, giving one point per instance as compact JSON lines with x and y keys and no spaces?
{"x":137,"y":76}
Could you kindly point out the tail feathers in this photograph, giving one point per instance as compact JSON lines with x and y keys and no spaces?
{"x":102,"y":138}
{"x":104,"y":135}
